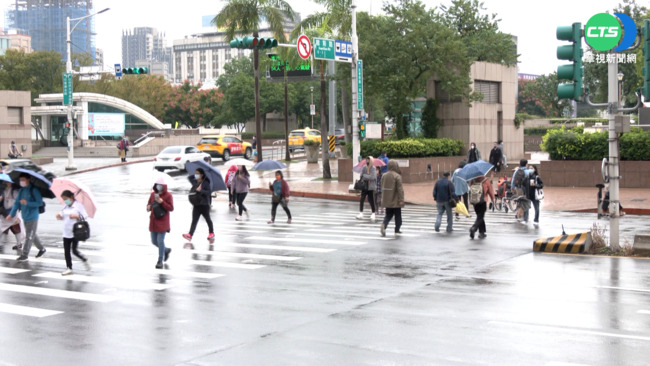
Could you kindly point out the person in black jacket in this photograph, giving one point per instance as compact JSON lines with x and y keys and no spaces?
{"x":201,"y":188}
{"x":496,"y":155}
{"x":442,"y":193}
{"x":535,"y":184}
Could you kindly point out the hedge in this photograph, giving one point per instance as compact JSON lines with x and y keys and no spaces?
{"x":411,"y":148}
{"x":575,"y":145}
{"x":269,"y":135}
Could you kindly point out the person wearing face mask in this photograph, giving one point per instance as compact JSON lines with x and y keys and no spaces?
{"x":72,"y":211}
{"x":28,"y":201}
{"x":201,"y":190}
{"x":473,"y":154}
{"x":7,"y":200}
{"x":280,"y":196}
{"x":160,"y":204}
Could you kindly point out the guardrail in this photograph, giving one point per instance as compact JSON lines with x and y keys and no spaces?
{"x":279,"y":150}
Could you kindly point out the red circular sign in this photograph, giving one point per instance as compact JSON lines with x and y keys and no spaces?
{"x":304,"y":47}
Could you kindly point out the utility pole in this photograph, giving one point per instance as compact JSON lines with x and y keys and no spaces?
{"x":356,"y":146}
{"x":613,"y":165}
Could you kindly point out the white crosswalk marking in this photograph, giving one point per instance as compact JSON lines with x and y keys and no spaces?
{"x":228,"y":265}
{"x":246,"y":255}
{"x":27,"y":311}
{"x":123,"y":282}
{"x":300,"y":240}
{"x":281,"y":247}
{"x":12,"y":270}
{"x":56,"y":293}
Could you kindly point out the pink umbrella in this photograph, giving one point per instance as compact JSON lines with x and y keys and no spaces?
{"x":81,"y":192}
{"x":359,"y":167}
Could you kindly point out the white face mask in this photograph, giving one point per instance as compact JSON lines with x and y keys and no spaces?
{"x":23,"y":183}
{"x":197,"y":176}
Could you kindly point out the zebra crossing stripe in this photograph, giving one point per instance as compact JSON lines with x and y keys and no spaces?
{"x":117,"y":282}
{"x":300,"y":240}
{"x":171,"y":272}
{"x":246,"y":255}
{"x":7,"y":270}
{"x":228,"y":265}
{"x":27,"y":311}
{"x":280,"y":247}
{"x":56,"y":293}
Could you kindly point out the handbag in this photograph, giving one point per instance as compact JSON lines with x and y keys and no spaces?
{"x":81,"y":229}
{"x":361,"y":185}
{"x":158,"y":210}
{"x":539,"y":194}
{"x":194,"y":196}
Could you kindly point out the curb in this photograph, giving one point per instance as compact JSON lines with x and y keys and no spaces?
{"x":573,"y":243}
{"x":108,"y":166}
{"x":630,"y":211}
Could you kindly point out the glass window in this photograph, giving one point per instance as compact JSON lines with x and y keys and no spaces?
{"x":489,"y":89}
{"x":172,"y":150}
{"x":235,"y":140}
{"x":210,"y":141}
{"x":297,"y":133}
{"x":15,"y":115}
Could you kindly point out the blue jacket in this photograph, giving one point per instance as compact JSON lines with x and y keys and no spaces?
{"x":34,"y":200}
{"x":442,"y":189}
{"x":384,"y":158}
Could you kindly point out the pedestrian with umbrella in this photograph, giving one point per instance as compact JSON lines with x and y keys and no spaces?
{"x":200,"y":197}
{"x":160,"y":204}
{"x":369,"y":177}
{"x":242,"y":184}
{"x":81,"y":193}
{"x":7,"y":199}
{"x":460,"y":186}
{"x":480,"y":190}
{"x":71,"y":212}
{"x":28,"y":201}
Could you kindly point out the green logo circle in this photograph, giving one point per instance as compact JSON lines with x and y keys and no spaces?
{"x":603,"y":32}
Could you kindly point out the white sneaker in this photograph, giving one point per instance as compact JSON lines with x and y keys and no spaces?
{"x":87,"y":265}
{"x":372,"y":217}
{"x":248,"y":216}
{"x":67,"y":272}
{"x":238,"y":218}
{"x":359,"y":216}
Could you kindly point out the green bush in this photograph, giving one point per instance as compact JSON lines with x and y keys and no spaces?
{"x":412,"y":148}
{"x":536,"y":131}
{"x":575,"y":145}
{"x":310,"y":143}
{"x":269,"y":135}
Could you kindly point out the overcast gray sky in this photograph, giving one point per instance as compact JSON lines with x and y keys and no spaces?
{"x":533,"y":22}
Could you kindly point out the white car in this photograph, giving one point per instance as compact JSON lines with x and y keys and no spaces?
{"x":175,"y":157}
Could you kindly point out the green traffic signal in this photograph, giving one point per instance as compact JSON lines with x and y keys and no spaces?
{"x":362,"y":130}
{"x":135,"y":71}
{"x":573,"y":53}
{"x":253,"y":43}
{"x":645,"y":90}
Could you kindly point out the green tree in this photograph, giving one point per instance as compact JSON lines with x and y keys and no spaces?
{"x":246,"y":16}
{"x":430,"y":121}
{"x":39,"y":72}
{"x":539,"y":97}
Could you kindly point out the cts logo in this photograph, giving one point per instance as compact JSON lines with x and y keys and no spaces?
{"x":603,"y":32}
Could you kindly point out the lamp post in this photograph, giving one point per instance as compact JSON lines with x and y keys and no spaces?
{"x":68,"y":69}
{"x":311,"y":107}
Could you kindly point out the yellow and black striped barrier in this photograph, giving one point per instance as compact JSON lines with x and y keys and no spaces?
{"x":572,"y":243}
{"x":332,"y":141}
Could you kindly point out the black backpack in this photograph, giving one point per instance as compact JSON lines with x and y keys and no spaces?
{"x":41,"y":208}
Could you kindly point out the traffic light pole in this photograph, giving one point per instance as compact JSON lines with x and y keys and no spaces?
{"x":68,"y":69}
{"x":356,"y":146}
{"x":613,"y":165}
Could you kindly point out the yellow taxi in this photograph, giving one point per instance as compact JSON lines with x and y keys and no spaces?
{"x":297,"y":138}
{"x":225,"y":146}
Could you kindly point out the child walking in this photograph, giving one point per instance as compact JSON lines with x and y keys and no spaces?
{"x":72,"y":211}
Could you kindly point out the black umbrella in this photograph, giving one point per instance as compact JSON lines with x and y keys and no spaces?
{"x":40,"y":182}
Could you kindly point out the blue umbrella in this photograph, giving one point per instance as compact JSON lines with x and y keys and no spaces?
{"x":269,"y":165}
{"x":474,"y":170}
{"x":211,"y":173}
{"x":6,"y":178}
{"x":40,"y":182}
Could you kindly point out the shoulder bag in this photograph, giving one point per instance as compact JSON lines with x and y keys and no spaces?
{"x":158,"y":210}
{"x":81,"y":229}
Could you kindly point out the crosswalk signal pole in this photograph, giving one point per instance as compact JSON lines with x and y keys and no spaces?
{"x":356,"y":146}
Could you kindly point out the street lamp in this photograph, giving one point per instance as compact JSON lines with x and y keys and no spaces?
{"x":311,"y":107}
{"x":68,"y":69}
{"x":620,"y":76}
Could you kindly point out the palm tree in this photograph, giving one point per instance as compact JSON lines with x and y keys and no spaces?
{"x":246,"y":16}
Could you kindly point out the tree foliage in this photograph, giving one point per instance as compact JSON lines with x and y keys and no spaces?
{"x":430,"y":121}
{"x":539,"y":97}
{"x":39,"y":72}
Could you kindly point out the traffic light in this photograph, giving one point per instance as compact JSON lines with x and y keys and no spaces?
{"x":254,"y":42}
{"x":646,"y":60}
{"x":135,"y":71}
{"x":574,"y":71}
{"x":362,"y":130}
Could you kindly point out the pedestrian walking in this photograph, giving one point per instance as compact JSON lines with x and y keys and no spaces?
{"x":369,"y":175}
{"x":200,"y":197}
{"x":123,"y":147}
{"x":280,"y":190}
{"x":384,"y":157}
{"x":473,"y":154}
{"x":7,"y":200}
{"x":71,"y":212}
{"x":160,"y":204}
{"x":28,"y":201}
{"x":230,"y":178}
{"x":393,"y":200}
{"x":14,"y":153}
{"x":378,"y":194}
{"x":242,"y":184}
{"x":496,"y":156}
{"x":443,"y":194}
{"x":504,"y":160}
{"x":254,"y":143}
{"x":481,"y":191}
{"x":521,"y":188}
{"x":460,"y":186}
{"x":536,"y":184}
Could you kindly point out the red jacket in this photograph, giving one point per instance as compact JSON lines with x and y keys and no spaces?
{"x":161,"y":225}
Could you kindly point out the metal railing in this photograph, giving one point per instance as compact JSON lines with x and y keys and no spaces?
{"x":279,"y":150}
{"x":145,"y":135}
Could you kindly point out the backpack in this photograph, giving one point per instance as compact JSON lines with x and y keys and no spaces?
{"x":41,"y":208}
{"x":231,"y":179}
{"x":520,"y":177}
{"x":476,"y":193}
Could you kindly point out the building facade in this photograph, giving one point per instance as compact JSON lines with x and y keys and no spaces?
{"x":15,"y":121}
{"x":45,"y":22}
{"x":144,"y":45}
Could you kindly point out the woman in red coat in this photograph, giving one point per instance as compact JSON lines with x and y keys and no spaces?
{"x":160,"y":204}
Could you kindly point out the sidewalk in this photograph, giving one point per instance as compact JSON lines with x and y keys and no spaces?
{"x":304,"y":181}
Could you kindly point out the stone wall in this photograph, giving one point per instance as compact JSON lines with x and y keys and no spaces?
{"x":417,"y":170}
{"x":575,"y":173}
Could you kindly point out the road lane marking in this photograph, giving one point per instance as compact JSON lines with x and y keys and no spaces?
{"x":117,"y":282}
{"x":644,"y":312}
{"x":246,"y":255}
{"x":623,"y":288}
{"x":299,"y":240}
{"x":280,"y":247}
{"x":357,"y":231}
{"x":36,"y":260}
{"x":570,"y":330}
{"x":172,"y":272}
{"x":7,"y":270}
{"x":227,"y":264}
{"x":56,"y":293}
{"x":27,"y":311}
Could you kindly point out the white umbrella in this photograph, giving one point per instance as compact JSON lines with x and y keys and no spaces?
{"x":247,"y":163}
{"x":169,"y":181}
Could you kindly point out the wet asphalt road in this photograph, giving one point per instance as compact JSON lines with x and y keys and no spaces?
{"x":325,"y":290}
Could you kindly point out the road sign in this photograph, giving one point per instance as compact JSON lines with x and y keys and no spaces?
{"x":67,"y":88}
{"x":343,"y":51}
{"x":324,"y":49}
{"x":304,"y":47}
{"x":118,"y":70}
{"x":312,"y":109}
{"x":360,"y":85}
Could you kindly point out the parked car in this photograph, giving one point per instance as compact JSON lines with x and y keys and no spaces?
{"x":11,"y":164}
{"x":225,"y":146}
{"x":339,"y":135}
{"x":297,"y":138}
{"x":175,"y":157}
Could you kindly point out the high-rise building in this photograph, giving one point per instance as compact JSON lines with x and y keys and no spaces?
{"x":144,"y":45}
{"x":45,"y":22}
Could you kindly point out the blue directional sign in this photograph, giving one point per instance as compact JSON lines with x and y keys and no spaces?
{"x":118,"y":70}
{"x":343,"y":51}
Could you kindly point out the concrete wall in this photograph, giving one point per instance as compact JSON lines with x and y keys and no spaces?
{"x":479,"y":122}
{"x":20,"y":133}
{"x":573,"y":173}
